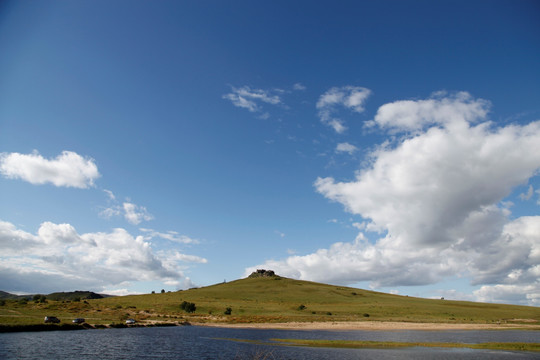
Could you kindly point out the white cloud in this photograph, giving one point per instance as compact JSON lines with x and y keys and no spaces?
{"x":409,"y":115}
{"x":249,"y":99}
{"x":346,"y":147}
{"x":169,"y":235}
{"x":350,"y":97}
{"x":110,"y":194}
{"x":435,"y":199}
{"x":135,"y":214}
{"x":299,"y":87}
{"x":528,"y":195}
{"x":68,"y":169}
{"x":58,"y":258}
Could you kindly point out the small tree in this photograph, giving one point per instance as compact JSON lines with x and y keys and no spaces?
{"x":163,"y":291}
{"x":153,"y":292}
{"x":188,"y":307}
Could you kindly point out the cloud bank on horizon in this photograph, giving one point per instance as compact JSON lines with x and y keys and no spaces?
{"x":433,"y":195}
{"x":57,"y":257}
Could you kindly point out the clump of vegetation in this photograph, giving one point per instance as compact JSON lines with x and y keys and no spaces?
{"x":228,"y":311}
{"x":188,"y":307}
{"x":40,"y":299}
{"x":23,"y":301}
{"x":301,"y":307}
{"x":365,"y":315}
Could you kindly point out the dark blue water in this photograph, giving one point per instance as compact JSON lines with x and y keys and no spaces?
{"x":193,"y":342}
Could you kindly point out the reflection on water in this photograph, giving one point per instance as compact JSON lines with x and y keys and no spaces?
{"x":194,"y":342}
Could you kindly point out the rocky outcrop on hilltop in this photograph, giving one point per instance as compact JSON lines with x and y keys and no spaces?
{"x":263,"y":273}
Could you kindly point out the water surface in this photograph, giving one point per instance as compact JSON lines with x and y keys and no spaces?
{"x":193,"y":342}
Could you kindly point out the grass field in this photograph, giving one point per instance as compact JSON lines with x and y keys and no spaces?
{"x":268,"y":300}
{"x":360,"y":344}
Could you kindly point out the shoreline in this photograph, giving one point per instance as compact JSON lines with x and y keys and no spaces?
{"x":294,"y":325}
{"x":372,"y":326}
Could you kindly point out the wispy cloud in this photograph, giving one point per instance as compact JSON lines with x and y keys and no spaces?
{"x":346,"y":147}
{"x":169,"y":235}
{"x":436,"y":196}
{"x":528,"y":195}
{"x":251,"y":99}
{"x":349,"y":97}
{"x":68,"y":169}
{"x":133,"y":213}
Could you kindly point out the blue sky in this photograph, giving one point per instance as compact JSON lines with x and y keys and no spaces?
{"x":387,"y":145}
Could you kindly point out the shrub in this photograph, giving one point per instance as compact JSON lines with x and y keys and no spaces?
{"x":2,"y":302}
{"x":40,"y":299}
{"x":302,"y":307}
{"x":163,"y":291}
{"x":228,"y":311}
{"x":188,"y":307}
{"x":366,"y":315}
{"x":23,"y":301}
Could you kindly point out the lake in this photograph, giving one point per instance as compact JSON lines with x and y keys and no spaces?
{"x":195,"y":342}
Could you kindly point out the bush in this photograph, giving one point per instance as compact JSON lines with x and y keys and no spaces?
{"x":23,"y":301}
{"x":366,"y":315}
{"x":188,"y":307}
{"x":228,"y":311}
{"x":302,"y":307}
{"x":40,"y":299}
{"x":163,"y":291}
{"x":2,"y":302}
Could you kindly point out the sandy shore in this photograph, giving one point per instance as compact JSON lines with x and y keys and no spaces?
{"x":373,"y":325}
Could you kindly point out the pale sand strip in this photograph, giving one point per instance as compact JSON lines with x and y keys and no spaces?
{"x":372,"y":325}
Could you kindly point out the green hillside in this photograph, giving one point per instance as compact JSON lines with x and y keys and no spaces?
{"x":270,"y":299}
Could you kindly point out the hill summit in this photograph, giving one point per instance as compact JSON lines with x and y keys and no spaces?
{"x":263,"y":273}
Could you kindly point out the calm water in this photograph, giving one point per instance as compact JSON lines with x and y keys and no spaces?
{"x":193,"y":342}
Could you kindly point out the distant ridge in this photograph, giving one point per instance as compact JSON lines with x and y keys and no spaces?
{"x":57,"y":296}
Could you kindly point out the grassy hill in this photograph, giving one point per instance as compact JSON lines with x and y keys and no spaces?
{"x":269,"y":299}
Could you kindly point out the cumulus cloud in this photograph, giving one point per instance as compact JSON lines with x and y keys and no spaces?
{"x":408,"y":115}
{"x":135,"y":214}
{"x":435,"y":199}
{"x":299,"y":87}
{"x":346,"y":147}
{"x":58,"y":258}
{"x":350,"y":97}
{"x":250,"y":99}
{"x":68,"y":169}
